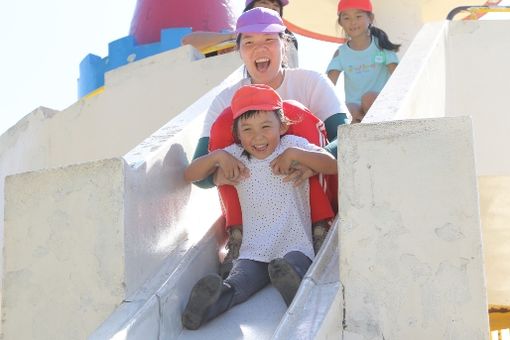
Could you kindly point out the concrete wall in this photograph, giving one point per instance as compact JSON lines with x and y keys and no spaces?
{"x":97,"y":231}
{"x":411,"y":260}
{"x":445,"y":73}
{"x":477,"y":77}
{"x":63,"y":270}
{"x":477,"y":55}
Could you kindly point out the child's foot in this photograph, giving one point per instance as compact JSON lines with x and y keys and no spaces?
{"x":284,"y":278}
{"x":203,"y":295}
{"x":235,"y":237}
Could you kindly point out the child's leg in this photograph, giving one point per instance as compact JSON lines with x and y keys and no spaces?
{"x":247,"y":277}
{"x":233,"y":222}
{"x":320,"y":205}
{"x":307,"y":125}
{"x":235,"y":237}
{"x":230,"y":205}
{"x":221,"y":137}
{"x":321,"y":211}
{"x":286,"y":273}
{"x":367,"y":100}
{"x":204,"y":294}
{"x":356,"y":112}
{"x":211,"y":296}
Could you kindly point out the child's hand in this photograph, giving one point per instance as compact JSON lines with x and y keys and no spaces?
{"x":285,"y":163}
{"x":299,"y":175}
{"x":231,"y":170}
{"x":220,"y":179}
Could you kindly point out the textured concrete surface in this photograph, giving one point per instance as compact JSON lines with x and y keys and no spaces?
{"x":495,"y":212}
{"x":64,"y":250}
{"x":477,"y":76}
{"x":411,"y":260}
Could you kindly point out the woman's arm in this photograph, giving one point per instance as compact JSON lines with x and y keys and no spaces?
{"x":202,"y":149}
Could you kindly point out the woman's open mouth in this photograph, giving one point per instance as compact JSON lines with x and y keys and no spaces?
{"x":262,"y":64}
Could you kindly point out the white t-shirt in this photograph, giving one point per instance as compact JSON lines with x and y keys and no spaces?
{"x":312,"y":89}
{"x":276,"y":214}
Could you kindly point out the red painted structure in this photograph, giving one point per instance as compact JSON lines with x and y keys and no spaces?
{"x":201,"y":15}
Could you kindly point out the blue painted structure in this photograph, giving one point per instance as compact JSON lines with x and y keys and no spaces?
{"x":121,"y":52}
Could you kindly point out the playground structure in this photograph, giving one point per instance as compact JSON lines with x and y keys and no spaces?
{"x":113,"y":242}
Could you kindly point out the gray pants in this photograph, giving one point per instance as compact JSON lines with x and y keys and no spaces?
{"x":248,"y":276}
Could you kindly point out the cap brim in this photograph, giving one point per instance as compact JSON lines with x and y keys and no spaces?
{"x":255,"y":108}
{"x":262,"y":28}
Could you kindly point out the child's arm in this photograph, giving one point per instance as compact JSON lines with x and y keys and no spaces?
{"x":332,"y":72}
{"x":333,"y":75}
{"x":318,"y":160}
{"x":203,"y":166}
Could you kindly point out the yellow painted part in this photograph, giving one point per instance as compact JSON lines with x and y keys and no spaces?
{"x":219,"y":47}
{"x":499,"y":321}
{"x":489,"y":9}
{"x":95,"y":92}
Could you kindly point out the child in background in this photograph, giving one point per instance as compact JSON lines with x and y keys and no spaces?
{"x":368,"y":58}
{"x":277,"y":242}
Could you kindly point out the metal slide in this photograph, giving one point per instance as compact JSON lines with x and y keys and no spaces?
{"x":264,"y":316}
{"x":155,"y":311}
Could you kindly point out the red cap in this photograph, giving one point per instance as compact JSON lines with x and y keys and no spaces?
{"x":255,"y":97}
{"x":364,"y":5}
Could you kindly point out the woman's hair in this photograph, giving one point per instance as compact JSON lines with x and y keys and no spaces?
{"x":252,"y":5}
{"x":286,"y":39}
{"x":383,"y":42}
{"x":235,"y":126}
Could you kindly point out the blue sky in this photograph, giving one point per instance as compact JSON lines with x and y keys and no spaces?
{"x":43,"y":42}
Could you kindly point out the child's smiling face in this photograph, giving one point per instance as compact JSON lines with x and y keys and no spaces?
{"x":355,"y":22}
{"x":260,"y":133}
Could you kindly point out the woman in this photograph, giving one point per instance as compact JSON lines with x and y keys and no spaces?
{"x":203,"y":40}
{"x":262,"y":42}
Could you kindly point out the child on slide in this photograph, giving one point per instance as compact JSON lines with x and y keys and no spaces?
{"x":277,"y":242}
